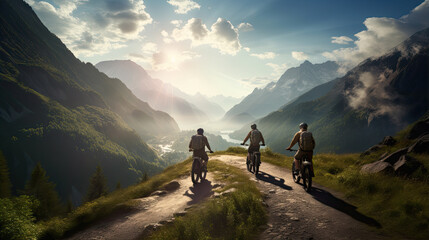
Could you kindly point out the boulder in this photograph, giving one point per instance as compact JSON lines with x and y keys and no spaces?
{"x":384,"y":155}
{"x":371,"y":150}
{"x":377,"y":167}
{"x":388,"y":141}
{"x":393,"y":157}
{"x":419,"y":129}
{"x":420,"y":146}
{"x":406,"y":165}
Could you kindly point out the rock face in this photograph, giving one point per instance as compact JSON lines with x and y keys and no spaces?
{"x":419,"y":129}
{"x":388,"y":141}
{"x":372,"y":149}
{"x":421,"y":146}
{"x":394,"y":157}
{"x":377,"y":167}
{"x":406,"y":165}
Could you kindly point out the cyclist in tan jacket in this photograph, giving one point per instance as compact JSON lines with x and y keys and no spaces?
{"x":303,"y":150}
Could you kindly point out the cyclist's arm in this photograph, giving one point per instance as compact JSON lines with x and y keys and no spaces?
{"x":206,"y":141}
{"x":263,"y":140}
{"x":314,"y":143}
{"x":190,"y":143}
{"x":294,"y":140}
{"x":247,"y":138}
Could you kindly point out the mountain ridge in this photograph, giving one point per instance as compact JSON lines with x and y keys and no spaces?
{"x":375,"y":99}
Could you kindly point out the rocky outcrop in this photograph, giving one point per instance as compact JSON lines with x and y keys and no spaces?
{"x":387,"y":141}
{"x":394,"y":157}
{"x":397,"y":162}
{"x":406,"y":165}
{"x":419,"y":129}
{"x":421,"y":145}
{"x":377,"y":167}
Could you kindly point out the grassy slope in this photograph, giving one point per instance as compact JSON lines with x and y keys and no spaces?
{"x":118,"y":200}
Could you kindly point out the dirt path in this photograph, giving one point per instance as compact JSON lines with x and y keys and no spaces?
{"x":296,"y":214}
{"x":293,"y":213}
{"x":150,"y":212}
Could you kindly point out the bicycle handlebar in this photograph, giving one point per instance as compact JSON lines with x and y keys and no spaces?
{"x":292,"y":150}
{"x":191,"y":150}
{"x":248,"y":144}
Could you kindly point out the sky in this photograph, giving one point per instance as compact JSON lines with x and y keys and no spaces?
{"x":229,"y":47}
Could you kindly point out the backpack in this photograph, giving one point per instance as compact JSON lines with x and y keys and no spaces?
{"x":306,"y":141}
{"x":255,"y":137}
{"x":197,"y":142}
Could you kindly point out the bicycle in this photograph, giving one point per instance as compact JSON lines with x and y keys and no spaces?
{"x":199,"y":169}
{"x":254,"y":162}
{"x":304,"y":172}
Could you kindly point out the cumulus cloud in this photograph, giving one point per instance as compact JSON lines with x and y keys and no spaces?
{"x":265,"y":55}
{"x":150,"y":47}
{"x":341,"y":40}
{"x":222,"y":35}
{"x":246,"y":49}
{"x":176,"y":23}
{"x":279,"y":69}
{"x":381,"y":35}
{"x":258,"y":82}
{"x":300,"y":56}
{"x":184,"y":6}
{"x":245,"y":27}
{"x":86,"y":33}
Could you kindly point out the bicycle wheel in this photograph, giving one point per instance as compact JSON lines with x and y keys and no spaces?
{"x":203,"y":173}
{"x":248,"y":164}
{"x":295,"y":177}
{"x":195,"y":172}
{"x":256,"y":164}
{"x":306,"y":179}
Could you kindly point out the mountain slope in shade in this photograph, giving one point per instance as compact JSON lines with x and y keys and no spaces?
{"x":375,"y":99}
{"x":293,"y":83}
{"x":65,"y":114}
{"x":186,"y":109}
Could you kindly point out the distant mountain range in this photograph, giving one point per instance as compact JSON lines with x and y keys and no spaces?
{"x":375,"y":99}
{"x":226,"y":102}
{"x":294,"y":82}
{"x":64,"y":113}
{"x":188,"y":110}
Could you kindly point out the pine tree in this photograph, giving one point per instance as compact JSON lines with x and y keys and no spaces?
{"x":5,"y":184}
{"x":69,"y":206}
{"x":97,"y":185}
{"x":144,"y":178}
{"x":41,"y":189}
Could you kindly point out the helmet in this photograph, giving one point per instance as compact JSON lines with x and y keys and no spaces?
{"x":253,"y":126}
{"x":200,"y":131}
{"x":303,"y":125}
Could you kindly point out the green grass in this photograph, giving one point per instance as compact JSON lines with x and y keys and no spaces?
{"x":120,"y":200}
{"x":238,"y":215}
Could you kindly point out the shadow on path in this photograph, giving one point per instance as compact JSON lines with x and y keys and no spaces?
{"x":199,"y":191}
{"x":338,"y":204}
{"x":263,"y":176}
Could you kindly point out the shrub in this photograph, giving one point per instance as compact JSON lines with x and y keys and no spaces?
{"x":16,"y":218}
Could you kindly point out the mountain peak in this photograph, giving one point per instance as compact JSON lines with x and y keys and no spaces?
{"x":306,"y":63}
